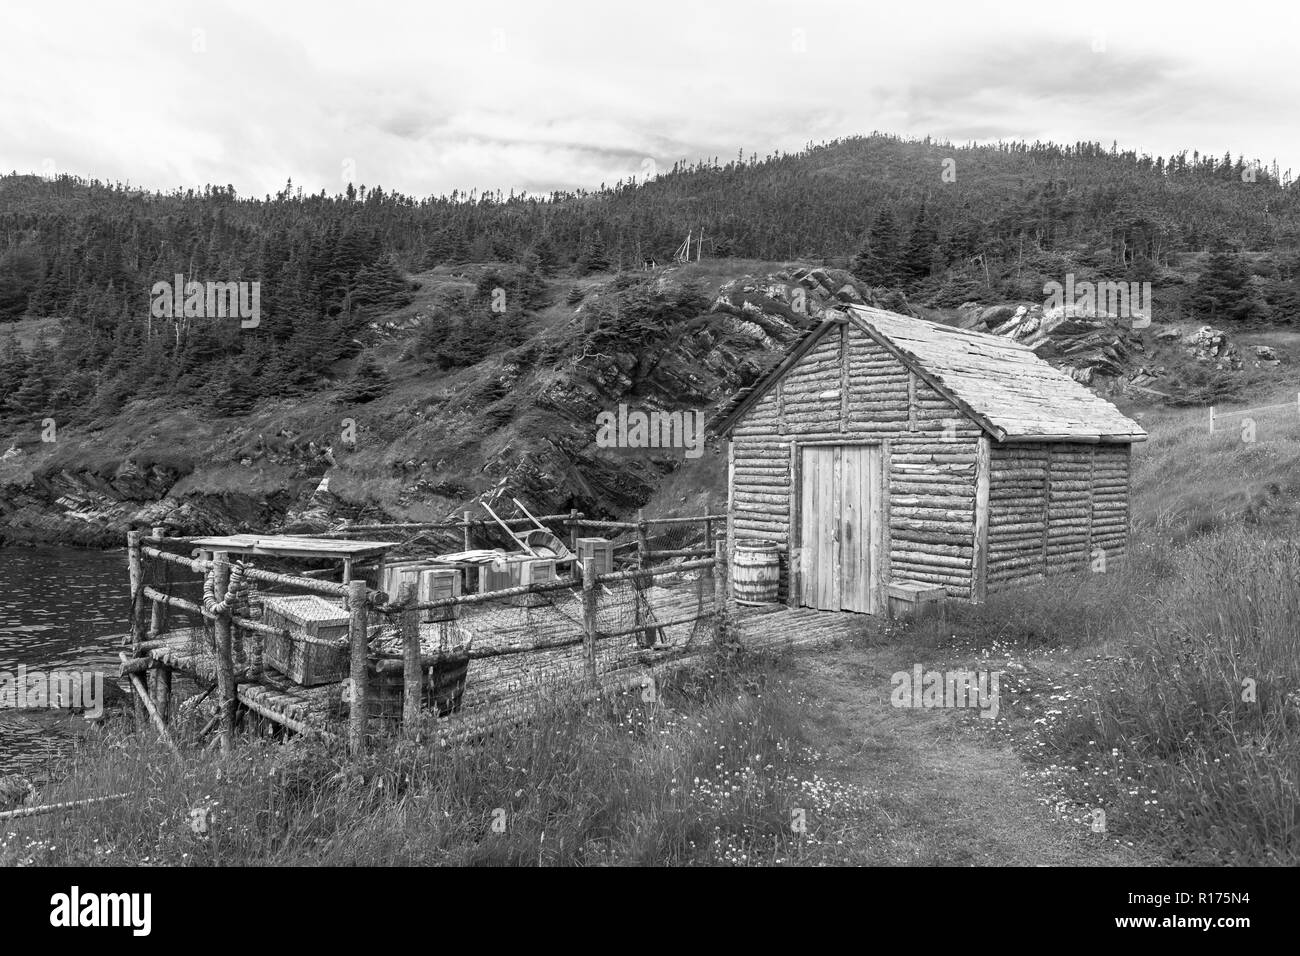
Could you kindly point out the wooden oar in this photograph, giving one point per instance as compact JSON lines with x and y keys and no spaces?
{"x":514,"y":537}
{"x":520,"y":505}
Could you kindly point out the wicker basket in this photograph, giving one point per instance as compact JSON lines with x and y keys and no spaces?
{"x":316,"y":648}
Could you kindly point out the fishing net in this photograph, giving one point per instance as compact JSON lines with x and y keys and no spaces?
{"x":520,"y":642}
{"x":490,"y":648}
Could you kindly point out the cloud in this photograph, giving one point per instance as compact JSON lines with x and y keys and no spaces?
{"x":512,"y":95}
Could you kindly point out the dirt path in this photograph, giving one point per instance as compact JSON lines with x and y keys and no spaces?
{"x":937,"y":788}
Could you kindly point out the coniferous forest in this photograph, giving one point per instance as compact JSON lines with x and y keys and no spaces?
{"x":941,"y":224}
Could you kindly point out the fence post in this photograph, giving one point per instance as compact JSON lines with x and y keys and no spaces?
{"x":589,"y":614}
{"x":573,"y":530}
{"x":225,"y":655}
{"x":358,"y":636}
{"x":413,"y":673}
{"x":466,"y":541}
{"x":721,"y":588}
{"x":135,"y":569}
{"x":641,"y":546}
{"x":1212,"y":419}
{"x":162,"y":686}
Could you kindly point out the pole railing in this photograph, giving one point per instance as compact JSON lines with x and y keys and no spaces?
{"x":1216,"y":414}
{"x":223,"y":577}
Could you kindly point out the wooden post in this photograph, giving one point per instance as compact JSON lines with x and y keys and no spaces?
{"x":882,"y":537}
{"x":589,"y":614}
{"x":162,"y":680}
{"x":721,"y":587}
{"x":466,"y":542}
{"x":980,"y":553}
{"x":135,"y":569}
{"x":358,"y":634}
{"x":142,"y":696}
{"x":641,"y":546}
{"x":1211,"y":419}
{"x":794,"y":527}
{"x":573,"y":530}
{"x":225,"y":657}
{"x":413,"y":672}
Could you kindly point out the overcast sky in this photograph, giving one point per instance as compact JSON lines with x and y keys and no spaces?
{"x":428,"y":97}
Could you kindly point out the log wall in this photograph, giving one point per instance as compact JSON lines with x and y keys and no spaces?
{"x":1052,"y":507}
{"x":931,"y":453}
{"x":1055,"y":507}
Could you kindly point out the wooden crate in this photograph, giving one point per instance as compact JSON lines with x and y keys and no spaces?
{"x":433,"y":581}
{"x":517,"y":570}
{"x":537,"y":571}
{"x":437,"y":584}
{"x":316,"y":648}
{"x":914,"y":598}
{"x":600,"y":550}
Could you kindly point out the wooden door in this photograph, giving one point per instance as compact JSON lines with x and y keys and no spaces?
{"x":839,"y":488}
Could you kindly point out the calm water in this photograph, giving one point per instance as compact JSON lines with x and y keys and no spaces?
{"x":58,"y":607}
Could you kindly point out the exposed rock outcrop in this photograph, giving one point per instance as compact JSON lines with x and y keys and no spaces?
{"x":1095,"y":349}
{"x":1211,"y":346}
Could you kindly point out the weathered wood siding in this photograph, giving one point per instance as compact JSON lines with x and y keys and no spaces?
{"x":1055,"y":507}
{"x":930,"y":449}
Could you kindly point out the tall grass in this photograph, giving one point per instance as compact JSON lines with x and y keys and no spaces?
{"x":1185,"y":726}
{"x":706,"y":773}
{"x":1199,"y":725}
{"x":1065,"y":611}
{"x":1187,"y":482}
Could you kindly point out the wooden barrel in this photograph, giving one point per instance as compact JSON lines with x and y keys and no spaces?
{"x":443,"y":686}
{"x":756,"y":572}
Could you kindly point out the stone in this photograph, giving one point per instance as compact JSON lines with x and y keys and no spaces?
{"x":1208,"y":344}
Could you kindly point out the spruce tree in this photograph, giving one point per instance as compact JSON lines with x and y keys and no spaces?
{"x":877,"y":263}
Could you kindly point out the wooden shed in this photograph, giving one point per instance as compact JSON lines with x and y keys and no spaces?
{"x":886,"y":449}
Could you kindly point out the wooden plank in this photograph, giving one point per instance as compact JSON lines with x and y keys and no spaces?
{"x":1047,"y":502}
{"x":795,"y":548}
{"x":880,"y":540}
{"x":1092,"y":491}
{"x":807,"y":491}
{"x":731,"y":499}
{"x":291,"y":546}
{"x":911,"y":400}
{"x":833,"y":518}
{"x":855,"y":519}
{"x":844,"y":377}
{"x":979,"y":561}
{"x":817,"y":463}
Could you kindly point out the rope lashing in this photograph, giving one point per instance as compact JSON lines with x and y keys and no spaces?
{"x":210,"y":602}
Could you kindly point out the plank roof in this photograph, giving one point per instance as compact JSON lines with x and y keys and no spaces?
{"x":1002,"y":385}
